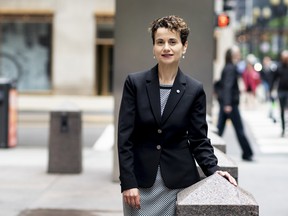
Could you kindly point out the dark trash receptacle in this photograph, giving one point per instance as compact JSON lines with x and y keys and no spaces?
{"x":8,"y":113}
{"x":65,"y":142}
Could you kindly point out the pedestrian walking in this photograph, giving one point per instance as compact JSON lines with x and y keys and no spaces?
{"x":267,"y":74}
{"x":251,"y":80}
{"x":281,"y":80}
{"x":229,"y":101}
{"x":162,"y":127}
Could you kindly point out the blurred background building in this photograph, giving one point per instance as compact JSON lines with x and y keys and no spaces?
{"x":263,"y":30}
{"x":57,"y":46}
{"x":66,"y":47}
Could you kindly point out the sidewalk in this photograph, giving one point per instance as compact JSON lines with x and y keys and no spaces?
{"x":26,"y":185}
{"x":26,"y":189}
{"x":267,"y":177}
{"x":267,"y":133}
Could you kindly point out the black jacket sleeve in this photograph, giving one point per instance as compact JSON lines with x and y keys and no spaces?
{"x":200,"y":145}
{"x":125,"y":130}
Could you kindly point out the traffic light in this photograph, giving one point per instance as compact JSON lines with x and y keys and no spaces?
{"x":223,"y":20}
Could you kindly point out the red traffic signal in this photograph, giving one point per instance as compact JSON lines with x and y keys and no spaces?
{"x":223,"y":20}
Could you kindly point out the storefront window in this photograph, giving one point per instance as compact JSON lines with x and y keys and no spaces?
{"x":25,"y":50}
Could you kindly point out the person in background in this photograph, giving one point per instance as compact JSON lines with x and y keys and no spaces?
{"x":162,"y":127}
{"x":281,"y":80}
{"x":251,"y":79}
{"x":229,"y":102}
{"x":267,"y":74}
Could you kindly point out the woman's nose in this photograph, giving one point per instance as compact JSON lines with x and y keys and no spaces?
{"x":166,"y":46}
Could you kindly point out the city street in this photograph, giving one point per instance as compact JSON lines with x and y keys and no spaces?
{"x":66,"y":68}
{"x":27,"y":189}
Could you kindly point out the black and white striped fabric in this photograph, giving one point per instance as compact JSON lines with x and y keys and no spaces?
{"x":157,"y":200}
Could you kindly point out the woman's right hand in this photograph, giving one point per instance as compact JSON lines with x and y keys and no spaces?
{"x":132,"y":197}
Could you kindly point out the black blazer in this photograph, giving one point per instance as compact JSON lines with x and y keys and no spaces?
{"x":173,"y":141}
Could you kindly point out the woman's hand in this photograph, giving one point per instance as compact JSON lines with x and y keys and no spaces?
{"x":132,"y":197}
{"x":227,"y":176}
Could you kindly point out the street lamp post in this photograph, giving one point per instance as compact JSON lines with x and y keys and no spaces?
{"x":279,"y":9}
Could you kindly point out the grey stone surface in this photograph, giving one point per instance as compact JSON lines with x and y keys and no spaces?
{"x":217,"y":141}
{"x":216,"y":196}
{"x":65,"y":146}
{"x":225,"y":163}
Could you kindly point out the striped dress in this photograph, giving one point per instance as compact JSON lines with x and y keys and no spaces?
{"x":157,"y":200}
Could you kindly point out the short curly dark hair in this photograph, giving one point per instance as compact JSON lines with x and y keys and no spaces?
{"x":173,"y":23}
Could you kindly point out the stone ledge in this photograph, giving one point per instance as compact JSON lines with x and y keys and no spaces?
{"x":215,"y":196}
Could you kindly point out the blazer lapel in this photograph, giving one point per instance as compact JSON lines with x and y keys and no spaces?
{"x":152,"y":86}
{"x":176,"y":94}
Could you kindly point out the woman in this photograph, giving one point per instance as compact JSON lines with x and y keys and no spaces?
{"x":251,"y":79}
{"x":229,"y":102}
{"x":162,"y":127}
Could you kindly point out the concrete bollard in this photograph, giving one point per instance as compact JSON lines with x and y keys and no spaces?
{"x":215,"y":196}
{"x":226,"y":164}
{"x":65,"y":141}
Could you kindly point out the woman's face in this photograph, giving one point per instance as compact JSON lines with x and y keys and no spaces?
{"x":168,"y":48}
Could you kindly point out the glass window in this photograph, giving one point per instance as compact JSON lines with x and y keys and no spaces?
{"x":25,"y":50}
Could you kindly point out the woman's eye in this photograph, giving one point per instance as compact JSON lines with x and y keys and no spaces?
{"x":160,"y":42}
{"x":173,"y":42}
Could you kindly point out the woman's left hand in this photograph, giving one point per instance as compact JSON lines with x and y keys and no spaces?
{"x":227,"y":176}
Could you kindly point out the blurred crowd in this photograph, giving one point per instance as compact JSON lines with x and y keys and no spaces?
{"x":266,"y":80}
{"x":259,"y":81}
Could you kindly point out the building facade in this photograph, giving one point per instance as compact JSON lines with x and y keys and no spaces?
{"x":58,"y":46}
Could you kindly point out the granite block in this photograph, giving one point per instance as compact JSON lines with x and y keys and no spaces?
{"x":215,"y":196}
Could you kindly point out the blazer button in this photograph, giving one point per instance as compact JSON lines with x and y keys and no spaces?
{"x":159,"y":131}
{"x":158,"y":147}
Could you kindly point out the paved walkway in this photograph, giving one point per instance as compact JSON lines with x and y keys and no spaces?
{"x":26,"y":189}
{"x":25,"y":184}
{"x":265,"y":131}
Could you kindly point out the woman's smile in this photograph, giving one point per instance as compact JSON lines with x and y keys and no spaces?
{"x":167,"y":55}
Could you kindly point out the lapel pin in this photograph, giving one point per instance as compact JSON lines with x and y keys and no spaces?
{"x":178,"y":91}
